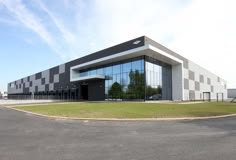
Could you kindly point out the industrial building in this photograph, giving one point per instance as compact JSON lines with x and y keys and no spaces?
{"x":139,"y":69}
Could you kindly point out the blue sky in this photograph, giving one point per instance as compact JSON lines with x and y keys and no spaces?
{"x":39,"y":34}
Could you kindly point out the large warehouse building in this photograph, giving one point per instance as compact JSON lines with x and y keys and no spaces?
{"x":140,"y":69}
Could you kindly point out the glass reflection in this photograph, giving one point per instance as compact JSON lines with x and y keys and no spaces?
{"x":126,"y":67}
{"x":108,"y":70}
{"x":116,"y":69}
{"x":128,"y":80}
{"x":153,"y":83}
{"x":100,"y":71}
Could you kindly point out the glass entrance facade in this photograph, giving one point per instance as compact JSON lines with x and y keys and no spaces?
{"x":124,"y":80}
{"x":141,"y":78}
{"x":158,"y":80}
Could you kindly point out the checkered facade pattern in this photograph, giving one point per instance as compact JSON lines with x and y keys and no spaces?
{"x":196,"y":80}
{"x":44,"y":81}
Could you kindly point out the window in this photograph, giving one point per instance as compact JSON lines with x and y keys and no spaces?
{"x":149,"y":66}
{"x":136,"y":65}
{"x":84,"y":74}
{"x":100,"y":71}
{"x":126,"y":67}
{"x":118,"y":78}
{"x":156,"y":73}
{"x":92,"y":72}
{"x":108,"y":70}
{"x":116,"y":69}
{"x":124,"y":78}
{"x":106,"y":83}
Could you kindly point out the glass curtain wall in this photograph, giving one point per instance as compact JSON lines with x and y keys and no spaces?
{"x":158,"y":80}
{"x":153,"y":81}
{"x":124,"y":80}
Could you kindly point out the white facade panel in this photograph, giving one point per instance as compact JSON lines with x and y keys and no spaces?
{"x":177,"y":82}
{"x":215,"y":86}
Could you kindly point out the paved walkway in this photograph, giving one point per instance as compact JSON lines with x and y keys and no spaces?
{"x":24,"y":136}
{"x":10,"y":102}
{"x":191,"y":102}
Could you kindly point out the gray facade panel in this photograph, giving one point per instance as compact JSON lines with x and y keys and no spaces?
{"x":192,"y":95}
{"x":186,"y":64}
{"x":231,"y":93}
{"x":201,"y":78}
{"x":186,"y":83}
{"x":38,"y":75}
{"x":197,"y":86}
{"x":212,"y":88}
{"x":56,"y":78}
{"x":196,"y":79}
{"x":208,"y":81}
{"x":62,"y":68}
{"x":191,"y":75}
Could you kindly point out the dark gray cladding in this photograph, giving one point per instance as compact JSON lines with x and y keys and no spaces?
{"x":65,"y":78}
{"x":96,"y":90}
{"x":109,"y":51}
{"x":52,"y":72}
{"x":60,"y":79}
{"x":37,"y":76}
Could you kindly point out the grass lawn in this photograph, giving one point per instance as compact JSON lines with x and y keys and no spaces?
{"x":132,"y":110}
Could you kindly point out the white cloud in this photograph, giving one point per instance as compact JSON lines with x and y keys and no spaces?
{"x":70,"y":39}
{"x":27,"y":18}
{"x":203,"y":31}
{"x":112,"y":22}
{"x":34,"y":23}
{"x":68,"y":36}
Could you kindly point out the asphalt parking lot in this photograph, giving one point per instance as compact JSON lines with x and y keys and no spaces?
{"x":27,"y":137}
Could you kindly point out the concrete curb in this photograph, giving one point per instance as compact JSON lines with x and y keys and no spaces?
{"x":121,"y":119}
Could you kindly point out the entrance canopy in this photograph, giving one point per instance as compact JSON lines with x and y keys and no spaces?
{"x":146,"y":50}
{"x":92,"y":77}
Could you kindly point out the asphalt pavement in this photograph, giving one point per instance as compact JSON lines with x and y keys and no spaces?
{"x":28,"y":137}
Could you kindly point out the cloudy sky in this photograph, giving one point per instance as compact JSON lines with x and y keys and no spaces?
{"x":39,"y":34}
